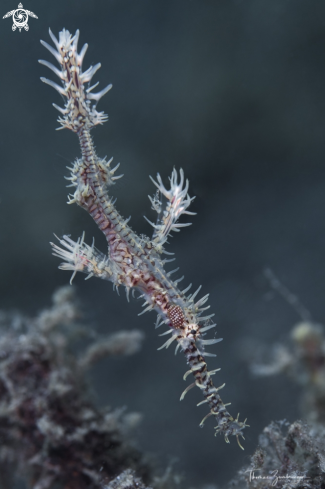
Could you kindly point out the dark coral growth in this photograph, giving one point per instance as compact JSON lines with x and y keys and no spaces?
{"x":288,"y":456}
{"x":127,"y":480}
{"x":292,"y":455}
{"x":50,"y":432}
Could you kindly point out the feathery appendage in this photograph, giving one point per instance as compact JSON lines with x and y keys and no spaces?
{"x":134,"y":262}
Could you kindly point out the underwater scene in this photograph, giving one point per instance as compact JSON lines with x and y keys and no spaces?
{"x":215,"y":110}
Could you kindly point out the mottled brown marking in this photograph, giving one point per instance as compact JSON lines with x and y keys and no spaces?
{"x":176,"y":316}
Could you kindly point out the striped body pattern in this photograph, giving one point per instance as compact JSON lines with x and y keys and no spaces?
{"x":135,"y":262}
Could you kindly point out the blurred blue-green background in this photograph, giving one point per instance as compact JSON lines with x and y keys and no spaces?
{"x":232,"y":91}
